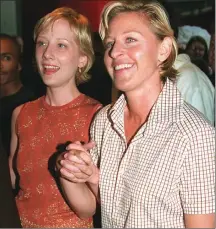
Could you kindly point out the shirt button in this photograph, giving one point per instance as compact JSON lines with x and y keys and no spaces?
{"x":121,"y":172}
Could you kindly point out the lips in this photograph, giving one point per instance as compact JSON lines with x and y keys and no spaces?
{"x":50,"y":69}
{"x":122,"y":66}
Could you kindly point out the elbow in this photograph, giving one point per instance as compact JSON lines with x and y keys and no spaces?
{"x":85,"y":215}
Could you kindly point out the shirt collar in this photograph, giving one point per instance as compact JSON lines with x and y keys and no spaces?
{"x":166,"y":109}
{"x":169,"y":104}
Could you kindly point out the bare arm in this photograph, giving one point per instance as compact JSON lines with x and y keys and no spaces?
{"x":200,"y":221}
{"x":81,"y":200}
{"x":13,"y":144}
{"x":79,"y":179}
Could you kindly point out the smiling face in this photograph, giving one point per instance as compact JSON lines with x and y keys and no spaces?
{"x":196,"y":50}
{"x":10,"y":65}
{"x":58,"y":55}
{"x":133,"y":53}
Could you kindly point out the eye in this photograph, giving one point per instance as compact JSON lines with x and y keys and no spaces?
{"x":108,"y":45}
{"x":40,"y":43}
{"x":7,"y":57}
{"x":60,"y":45}
{"x":130,"y":40}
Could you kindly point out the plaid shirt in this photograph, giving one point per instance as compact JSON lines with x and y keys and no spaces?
{"x":166,"y":171}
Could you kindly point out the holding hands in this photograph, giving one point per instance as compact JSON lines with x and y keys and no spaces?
{"x":76,"y":164}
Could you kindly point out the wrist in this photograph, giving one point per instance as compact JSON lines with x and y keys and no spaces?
{"x":94,"y":178}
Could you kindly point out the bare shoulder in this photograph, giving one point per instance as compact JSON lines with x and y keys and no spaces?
{"x":16,"y":112}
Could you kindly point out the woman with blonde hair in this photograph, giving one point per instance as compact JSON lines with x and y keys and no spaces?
{"x":155,"y":153}
{"x":42,"y":129}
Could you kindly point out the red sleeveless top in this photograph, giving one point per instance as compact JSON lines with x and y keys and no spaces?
{"x":43,"y":132}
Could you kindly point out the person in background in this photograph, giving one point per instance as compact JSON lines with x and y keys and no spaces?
{"x":197,"y":48}
{"x":192,"y":80}
{"x":202,"y":65}
{"x":41,"y":129}
{"x":155,"y":152}
{"x":195,"y":86}
{"x":13,"y":92}
{"x":211,"y":57}
{"x":9,"y":217}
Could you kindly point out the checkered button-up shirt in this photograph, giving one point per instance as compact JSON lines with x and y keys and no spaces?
{"x":166,"y":171}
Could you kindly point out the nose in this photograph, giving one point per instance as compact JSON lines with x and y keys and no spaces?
{"x":116,"y":50}
{"x":48,"y":52}
{"x":1,"y":65}
{"x":198,"y":53}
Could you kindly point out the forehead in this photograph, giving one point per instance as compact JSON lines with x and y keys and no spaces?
{"x":58,"y":27}
{"x":129,"y":21}
{"x":7,"y":46}
{"x":198,"y":43}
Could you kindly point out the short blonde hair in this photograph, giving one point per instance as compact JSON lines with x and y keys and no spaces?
{"x":82,"y":30}
{"x":159,"y":25}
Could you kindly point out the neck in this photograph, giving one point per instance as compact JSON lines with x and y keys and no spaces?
{"x":60,"y":97}
{"x":140,"y":103}
{"x":10,"y":88}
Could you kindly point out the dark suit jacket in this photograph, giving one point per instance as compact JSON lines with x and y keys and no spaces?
{"x":8,"y":211}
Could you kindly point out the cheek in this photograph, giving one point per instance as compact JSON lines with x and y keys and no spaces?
{"x":140,"y":56}
{"x":137,"y":53}
{"x":191,"y":50}
{"x":11,"y":67}
{"x":202,"y":53}
{"x":67,"y":59}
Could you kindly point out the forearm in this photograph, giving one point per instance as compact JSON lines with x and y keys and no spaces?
{"x":80,"y":197}
{"x":200,"y":221}
{"x":95,"y":190}
{"x":12,"y":174}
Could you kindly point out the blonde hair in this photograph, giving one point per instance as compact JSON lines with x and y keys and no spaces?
{"x":159,"y":25}
{"x":82,"y":30}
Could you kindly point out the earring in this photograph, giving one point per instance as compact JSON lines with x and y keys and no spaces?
{"x":79,"y":70}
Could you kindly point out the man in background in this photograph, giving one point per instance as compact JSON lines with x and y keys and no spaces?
{"x":13,"y":93}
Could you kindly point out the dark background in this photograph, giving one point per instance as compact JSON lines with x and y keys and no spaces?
{"x":190,"y":12}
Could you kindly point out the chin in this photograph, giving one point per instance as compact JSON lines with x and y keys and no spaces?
{"x":49,"y":83}
{"x":122,"y":87}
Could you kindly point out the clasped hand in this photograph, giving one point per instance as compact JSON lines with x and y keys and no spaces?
{"x":76,"y":164}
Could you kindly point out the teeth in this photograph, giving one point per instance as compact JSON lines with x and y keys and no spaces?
{"x":122,"y":66}
{"x":51,"y":67}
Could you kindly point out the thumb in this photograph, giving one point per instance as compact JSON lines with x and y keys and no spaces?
{"x":78,"y":143}
{"x":89,"y":145}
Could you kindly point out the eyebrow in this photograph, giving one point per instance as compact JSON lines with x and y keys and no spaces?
{"x":125,"y":33}
{"x":44,"y":37}
{"x":60,"y":39}
{"x":6,"y":53}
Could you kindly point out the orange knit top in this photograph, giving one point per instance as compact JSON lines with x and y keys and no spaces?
{"x":43,"y":133}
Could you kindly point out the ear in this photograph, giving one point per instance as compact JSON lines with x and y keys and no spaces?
{"x":83,"y":60}
{"x":19,"y":67}
{"x":165,"y":49}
